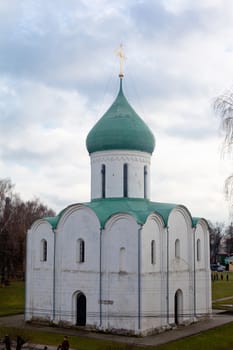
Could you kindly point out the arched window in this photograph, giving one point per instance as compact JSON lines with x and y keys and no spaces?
{"x":145,"y":181}
{"x":153,"y":252}
{"x":198,"y":249}
{"x":103,"y":180}
{"x":122,"y":259}
{"x":80,"y":250}
{"x":43,"y":250}
{"x":125,"y":180}
{"x":177,"y":248}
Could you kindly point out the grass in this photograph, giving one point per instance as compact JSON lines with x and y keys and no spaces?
{"x":215,"y":339}
{"x":12,"y":302}
{"x":223,"y":289}
{"x":47,"y":338}
{"x":12,"y":299}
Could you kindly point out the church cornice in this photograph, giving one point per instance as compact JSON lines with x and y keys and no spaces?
{"x":121,"y":157}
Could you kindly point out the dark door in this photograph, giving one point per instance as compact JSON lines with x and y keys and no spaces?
{"x":176,"y":308}
{"x":81,"y":310}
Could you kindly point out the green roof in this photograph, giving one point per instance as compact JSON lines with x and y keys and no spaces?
{"x":53,"y":220}
{"x":140,"y":209}
{"x":196,"y":220}
{"x":120,"y":128}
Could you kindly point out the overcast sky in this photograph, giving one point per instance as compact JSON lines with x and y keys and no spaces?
{"x":59,"y":74}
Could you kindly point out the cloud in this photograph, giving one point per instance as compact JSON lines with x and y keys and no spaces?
{"x":190,"y":173}
{"x":179,"y":6}
{"x":58,"y":75}
{"x":43,"y":127}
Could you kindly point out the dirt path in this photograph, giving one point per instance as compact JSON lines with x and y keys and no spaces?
{"x":222,"y":299}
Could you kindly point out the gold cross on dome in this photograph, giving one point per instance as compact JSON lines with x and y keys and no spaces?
{"x":120,"y":53}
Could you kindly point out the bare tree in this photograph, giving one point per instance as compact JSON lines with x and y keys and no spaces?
{"x":223,"y":105}
{"x":229,"y":239}
{"x":216,"y":234}
{"x":16,"y":216}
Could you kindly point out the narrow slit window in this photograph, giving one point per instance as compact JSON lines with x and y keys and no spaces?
{"x":198,"y":250}
{"x":43,"y":250}
{"x":122,"y":259}
{"x":80,"y":250}
{"x":145,"y":181}
{"x":153,"y":252}
{"x":125,"y":180}
{"x":103,"y":180}
{"x":177,"y":248}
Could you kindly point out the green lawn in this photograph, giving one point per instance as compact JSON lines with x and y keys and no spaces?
{"x":222,"y":288}
{"x":46,"y":338}
{"x":12,"y":299}
{"x":215,"y":339}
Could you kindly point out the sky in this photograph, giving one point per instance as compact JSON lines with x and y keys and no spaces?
{"x":59,"y":74}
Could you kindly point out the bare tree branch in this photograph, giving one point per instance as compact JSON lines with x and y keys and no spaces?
{"x":229,"y":192}
{"x":223,"y":105}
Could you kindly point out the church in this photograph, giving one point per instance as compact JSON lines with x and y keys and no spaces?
{"x":119,"y":263}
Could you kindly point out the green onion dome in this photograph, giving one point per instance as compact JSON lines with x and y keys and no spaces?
{"x":120,"y":128}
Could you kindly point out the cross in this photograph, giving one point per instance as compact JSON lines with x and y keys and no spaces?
{"x":122,"y":58}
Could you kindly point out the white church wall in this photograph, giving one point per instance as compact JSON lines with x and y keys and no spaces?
{"x":153,"y":274}
{"x":73,"y":276}
{"x":181,"y":278}
{"x":114,"y":162}
{"x":119,"y":299}
{"x":39,"y":271}
{"x":202,"y":270}
{"x":120,"y":283}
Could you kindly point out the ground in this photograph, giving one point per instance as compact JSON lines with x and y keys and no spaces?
{"x":162,"y":338}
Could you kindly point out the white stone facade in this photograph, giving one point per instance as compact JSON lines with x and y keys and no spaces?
{"x":138,"y":173}
{"x":125,"y":290}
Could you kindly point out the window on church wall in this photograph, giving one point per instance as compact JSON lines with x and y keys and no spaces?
{"x":153,"y":252}
{"x":198,"y":249}
{"x":125,"y":180}
{"x":80,"y":251}
{"x":122,"y":257}
{"x":177,"y":248}
{"x":145,"y":181}
{"x":43,"y":250}
{"x":103,"y":180}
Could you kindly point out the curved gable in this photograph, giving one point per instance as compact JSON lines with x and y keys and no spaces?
{"x":201,"y":221}
{"x":114,"y":218}
{"x":38,"y":224}
{"x":184,"y":212}
{"x":155,"y":216}
{"x":70,"y":211}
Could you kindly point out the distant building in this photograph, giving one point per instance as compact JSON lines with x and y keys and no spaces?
{"x":119,"y":263}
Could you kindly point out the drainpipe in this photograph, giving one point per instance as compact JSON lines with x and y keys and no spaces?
{"x":139,"y":277}
{"x":54,"y":273}
{"x":167,"y":275}
{"x":194,"y":271}
{"x":100,"y":278}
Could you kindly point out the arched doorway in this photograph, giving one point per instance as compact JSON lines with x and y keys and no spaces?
{"x":178,"y":306}
{"x":81,"y":310}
